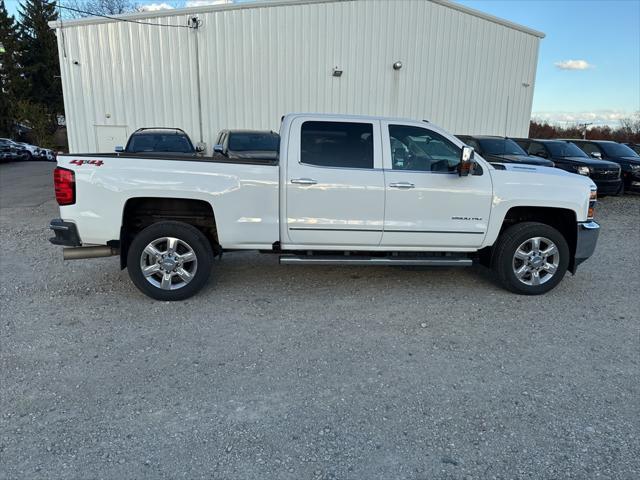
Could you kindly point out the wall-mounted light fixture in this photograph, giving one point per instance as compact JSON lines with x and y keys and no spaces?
{"x":397,"y":65}
{"x":337,"y":72}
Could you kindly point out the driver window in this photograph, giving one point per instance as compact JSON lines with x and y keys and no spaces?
{"x":415,"y":148}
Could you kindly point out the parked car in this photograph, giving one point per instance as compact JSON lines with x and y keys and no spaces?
{"x":619,"y":153}
{"x":337,"y":194}
{"x":248,"y":144}
{"x":32,"y":153}
{"x":160,"y":140}
{"x":502,"y":150}
{"x":634,"y":146}
{"x":7,"y":151}
{"x":569,"y":157}
{"x":13,"y":151}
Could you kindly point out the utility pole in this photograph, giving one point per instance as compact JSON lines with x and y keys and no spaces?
{"x":584,"y":129}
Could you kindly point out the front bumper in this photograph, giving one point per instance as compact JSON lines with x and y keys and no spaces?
{"x":608,"y":187}
{"x":586,"y":239}
{"x":66,"y":233}
{"x":632,"y":181}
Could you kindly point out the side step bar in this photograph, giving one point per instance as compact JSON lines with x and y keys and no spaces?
{"x":348,"y":260}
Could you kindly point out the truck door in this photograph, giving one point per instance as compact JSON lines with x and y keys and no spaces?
{"x":334,"y":191}
{"x":428,"y":205}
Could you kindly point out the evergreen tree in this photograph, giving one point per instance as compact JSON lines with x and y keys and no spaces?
{"x":12,"y":84}
{"x":40,"y":54}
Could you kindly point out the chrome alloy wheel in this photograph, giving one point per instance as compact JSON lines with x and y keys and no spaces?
{"x":536,"y":261}
{"x":168,"y":263}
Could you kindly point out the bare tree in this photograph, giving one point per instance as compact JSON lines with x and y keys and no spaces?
{"x":87,"y":8}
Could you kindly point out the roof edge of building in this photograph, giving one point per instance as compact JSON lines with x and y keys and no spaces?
{"x":266,"y":4}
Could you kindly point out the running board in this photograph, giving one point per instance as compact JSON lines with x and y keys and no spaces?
{"x":347,"y":260}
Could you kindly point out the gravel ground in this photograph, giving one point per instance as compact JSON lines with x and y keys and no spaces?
{"x":300,"y":372}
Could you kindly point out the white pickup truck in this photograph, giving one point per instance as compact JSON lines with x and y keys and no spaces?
{"x":348,"y":190}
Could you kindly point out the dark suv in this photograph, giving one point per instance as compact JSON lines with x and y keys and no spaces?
{"x":621,"y":154}
{"x":160,"y":141}
{"x":502,"y":150}
{"x":606,"y":175}
{"x":250,"y":145}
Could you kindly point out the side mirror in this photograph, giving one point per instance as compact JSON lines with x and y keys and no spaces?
{"x":597,"y":155}
{"x":119,"y":148}
{"x":201,"y":147}
{"x":218,"y":148}
{"x":466,"y":161}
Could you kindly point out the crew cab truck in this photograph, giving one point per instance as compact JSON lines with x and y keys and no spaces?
{"x":337,"y":194}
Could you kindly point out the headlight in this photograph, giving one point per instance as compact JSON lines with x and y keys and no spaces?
{"x":593,"y":198}
{"x":583,"y":171}
{"x":635,"y":167}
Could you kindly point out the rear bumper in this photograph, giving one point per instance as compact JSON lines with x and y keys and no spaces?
{"x":586,"y":239}
{"x":66,"y":233}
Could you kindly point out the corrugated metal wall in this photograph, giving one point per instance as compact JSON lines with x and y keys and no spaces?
{"x":461,"y":71}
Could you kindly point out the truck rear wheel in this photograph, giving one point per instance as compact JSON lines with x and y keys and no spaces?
{"x":530,"y":258}
{"x":170,"y":260}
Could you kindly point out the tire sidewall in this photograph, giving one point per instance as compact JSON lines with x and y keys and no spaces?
{"x":525,"y":232}
{"x":185,"y":232}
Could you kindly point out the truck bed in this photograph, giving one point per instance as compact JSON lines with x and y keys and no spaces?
{"x":242,"y":193}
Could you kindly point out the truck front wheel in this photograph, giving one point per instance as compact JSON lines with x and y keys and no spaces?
{"x":170,"y":260}
{"x":530,"y":258}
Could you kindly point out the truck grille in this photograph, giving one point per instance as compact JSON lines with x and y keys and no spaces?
{"x":605,"y":174}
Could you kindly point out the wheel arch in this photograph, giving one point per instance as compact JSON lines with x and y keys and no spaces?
{"x":141,"y":212}
{"x":562,"y":219}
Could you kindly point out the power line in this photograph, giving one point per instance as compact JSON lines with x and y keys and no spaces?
{"x":127,"y":20}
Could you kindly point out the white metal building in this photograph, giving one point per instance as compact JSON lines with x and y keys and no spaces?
{"x":248,"y":64}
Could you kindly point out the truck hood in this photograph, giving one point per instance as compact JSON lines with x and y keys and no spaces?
{"x":524,"y":159}
{"x":538,"y":173}
{"x":589,"y":162}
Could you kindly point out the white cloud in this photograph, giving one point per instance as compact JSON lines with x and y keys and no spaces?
{"x":597,"y":117}
{"x":154,"y":7}
{"x":574,"y":65}
{"x":200,"y":3}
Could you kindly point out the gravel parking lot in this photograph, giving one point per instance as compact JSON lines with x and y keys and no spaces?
{"x":300,"y":372}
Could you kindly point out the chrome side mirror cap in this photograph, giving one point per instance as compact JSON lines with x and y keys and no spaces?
{"x":466,"y":161}
{"x":201,"y":147}
{"x":597,"y":155}
{"x":218,"y":148}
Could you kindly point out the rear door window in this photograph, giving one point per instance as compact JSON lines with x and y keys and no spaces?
{"x":337,"y":144}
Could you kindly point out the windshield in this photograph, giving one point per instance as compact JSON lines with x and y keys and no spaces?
{"x":254,"y":142}
{"x":158,"y":142}
{"x":500,"y":146}
{"x":617,"y":150}
{"x":565,"y":149}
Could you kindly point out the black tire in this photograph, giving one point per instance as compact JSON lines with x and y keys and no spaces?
{"x":29,"y":157}
{"x":184,"y":232}
{"x":505,"y":249}
{"x":620,"y":190}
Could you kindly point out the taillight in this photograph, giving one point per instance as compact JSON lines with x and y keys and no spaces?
{"x":64,"y":182}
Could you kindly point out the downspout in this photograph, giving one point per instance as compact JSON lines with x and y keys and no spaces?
{"x":195,"y":23}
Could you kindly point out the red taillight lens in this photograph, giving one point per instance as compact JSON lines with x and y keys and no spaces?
{"x":64,"y":182}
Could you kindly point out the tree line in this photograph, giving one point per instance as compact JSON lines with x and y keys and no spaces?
{"x":29,"y":71}
{"x":627,"y":132}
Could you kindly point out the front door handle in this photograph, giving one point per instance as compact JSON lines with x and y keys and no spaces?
{"x":304,"y":181}
{"x":405,"y":185}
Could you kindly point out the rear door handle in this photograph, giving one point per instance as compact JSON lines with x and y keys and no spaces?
{"x":304,"y":181}
{"x":405,"y":185}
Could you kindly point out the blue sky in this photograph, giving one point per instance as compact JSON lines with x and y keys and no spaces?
{"x":601,"y":37}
